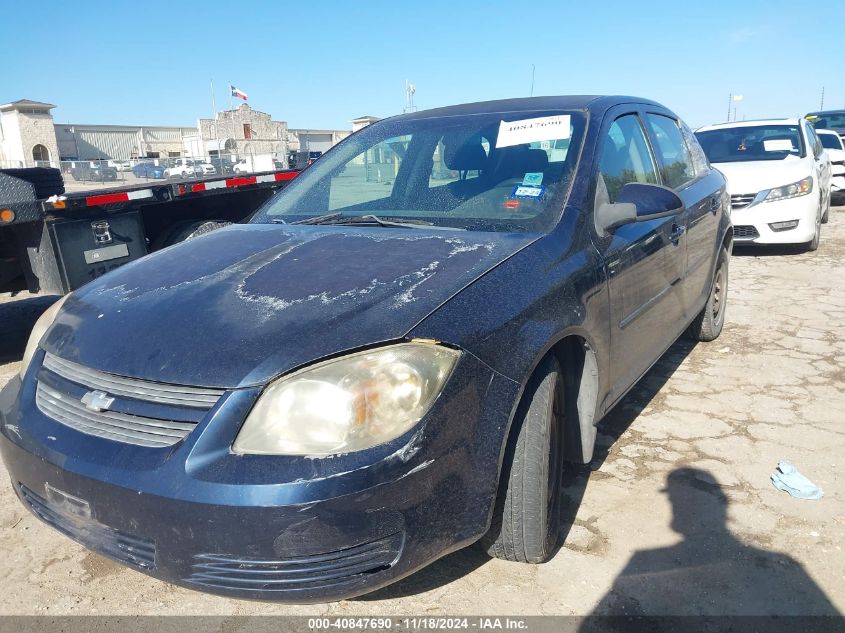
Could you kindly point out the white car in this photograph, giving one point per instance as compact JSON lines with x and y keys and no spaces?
{"x":180,"y":168}
{"x":121,"y":165}
{"x":835,"y":148}
{"x":204,"y":169}
{"x":242,"y":167}
{"x":778,"y":175}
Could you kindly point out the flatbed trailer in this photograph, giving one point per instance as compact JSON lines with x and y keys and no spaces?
{"x":57,"y":243}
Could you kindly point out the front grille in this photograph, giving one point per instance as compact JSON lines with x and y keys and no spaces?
{"x":742,"y":200}
{"x":745,"y":232}
{"x":306,"y":572}
{"x":177,"y":408}
{"x":198,"y":397}
{"x":131,"y":429}
{"x":121,"y":546}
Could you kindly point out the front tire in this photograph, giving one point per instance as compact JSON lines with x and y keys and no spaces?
{"x":813,"y":244}
{"x":709,"y":323}
{"x":826,"y":215}
{"x":526,"y":519}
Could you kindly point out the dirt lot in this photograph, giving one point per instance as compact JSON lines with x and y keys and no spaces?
{"x":675,"y":516}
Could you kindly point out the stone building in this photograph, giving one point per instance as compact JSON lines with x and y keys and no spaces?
{"x":27,"y":136}
{"x":242,"y":132}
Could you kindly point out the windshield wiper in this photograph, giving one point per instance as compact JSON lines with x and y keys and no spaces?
{"x":409,"y":223}
{"x":368,"y":220}
{"x":319,"y":219}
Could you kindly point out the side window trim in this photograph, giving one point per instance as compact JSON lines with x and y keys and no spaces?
{"x":610,"y":118}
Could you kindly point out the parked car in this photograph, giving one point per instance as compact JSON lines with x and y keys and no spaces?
{"x":93,"y":170}
{"x":121,"y":165}
{"x":828,"y":120}
{"x":222,"y":165}
{"x":373,"y":373}
{"x":148,"y":169}
{"x":778,"y":175}
{"x":179,"y":168}
{"x":835,"y":147}
{"x":202,"y":168}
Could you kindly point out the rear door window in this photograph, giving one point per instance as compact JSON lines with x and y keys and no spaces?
{"x":676,"y":160}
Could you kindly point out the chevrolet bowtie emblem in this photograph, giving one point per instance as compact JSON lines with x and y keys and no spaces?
{"x":97,"y":400}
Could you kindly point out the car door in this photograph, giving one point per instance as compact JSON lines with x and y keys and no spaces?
{"x":702,"y":201}
{"x":643,"y":260}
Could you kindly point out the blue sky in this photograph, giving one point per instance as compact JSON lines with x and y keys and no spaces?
{"x":320,"y":64}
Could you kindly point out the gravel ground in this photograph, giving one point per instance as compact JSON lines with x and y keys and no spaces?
{"x":676,"y":515}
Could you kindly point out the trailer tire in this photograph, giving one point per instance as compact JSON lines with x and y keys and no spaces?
{"x":183,"y":231}
{"x":46,"y":180}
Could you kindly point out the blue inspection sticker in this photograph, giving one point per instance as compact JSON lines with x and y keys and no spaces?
{"x":533,"y":178}
{"x":528,"y":191}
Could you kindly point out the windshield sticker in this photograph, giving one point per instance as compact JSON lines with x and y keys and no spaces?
{"x":545,"y":128}
{"x":778,"y":145}
{"x":533,"y":178}
{"x":525,"y":191}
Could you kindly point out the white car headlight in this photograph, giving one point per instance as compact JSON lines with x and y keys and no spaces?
{"x":800,"y":188}
{"x":347,"y":404}
{"x":41,"y":326}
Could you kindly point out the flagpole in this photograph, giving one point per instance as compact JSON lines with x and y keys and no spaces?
{"x":232,"y":112}
{"x":214,"y":122}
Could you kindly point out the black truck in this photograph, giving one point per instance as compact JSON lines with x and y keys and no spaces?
{"x":54,"y":242}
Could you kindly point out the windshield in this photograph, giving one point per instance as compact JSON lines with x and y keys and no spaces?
{"x":830,"y":141}
{"x":488,"y":172}
{"x":752,"y":142}
{"x":827,"y":120}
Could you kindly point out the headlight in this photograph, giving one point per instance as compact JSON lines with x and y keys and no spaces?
{"x":800,"y":188}
{"x":347,"y":404}
{"x":41,"y":326}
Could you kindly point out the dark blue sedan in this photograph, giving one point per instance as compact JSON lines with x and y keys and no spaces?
{"x":390,"y":362}
{"x":148,"y":170}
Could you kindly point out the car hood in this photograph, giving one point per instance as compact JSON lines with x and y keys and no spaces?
{"x":753,"y":176}
{"x":243,"y":304}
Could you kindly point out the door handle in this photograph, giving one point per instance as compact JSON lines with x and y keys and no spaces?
{"x":677,"y":232}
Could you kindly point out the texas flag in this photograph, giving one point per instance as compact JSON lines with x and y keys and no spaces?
{"x":240,"y":94}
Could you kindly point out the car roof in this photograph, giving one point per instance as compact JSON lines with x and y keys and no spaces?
{"x":824,"y":112}
{"x":596,"y":104}
{"x":753,"y":123}
{"x":832,"y":132}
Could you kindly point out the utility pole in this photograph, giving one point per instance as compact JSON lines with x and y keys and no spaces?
{"x":821,"y":106}
{"x":532,"y":79}
{"x":730,"y":105}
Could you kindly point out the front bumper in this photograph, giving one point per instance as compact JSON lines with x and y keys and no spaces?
{"x":257,"y":526}
{"x":752,"y":224}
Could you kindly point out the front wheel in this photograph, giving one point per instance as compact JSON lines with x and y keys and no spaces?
{"x":526,"y":519}
{"x":813,"y":244}
{"x":708,"y":324}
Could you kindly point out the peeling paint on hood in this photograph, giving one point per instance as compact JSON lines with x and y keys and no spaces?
{"x":241,"y":305}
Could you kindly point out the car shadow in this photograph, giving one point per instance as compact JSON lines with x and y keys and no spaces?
{"x":710,"y":574}
{"x":768,"y":250}
{"x":17,"y":318}
{"x":575,"y":481}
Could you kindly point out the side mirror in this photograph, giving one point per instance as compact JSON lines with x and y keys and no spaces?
{"x":637,"y":202}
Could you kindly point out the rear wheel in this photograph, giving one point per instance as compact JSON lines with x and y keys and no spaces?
{"x":709,"y":323}
{"x":526,"y":519}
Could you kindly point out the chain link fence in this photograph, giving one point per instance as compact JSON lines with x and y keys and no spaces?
{"x":81,"y":175}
